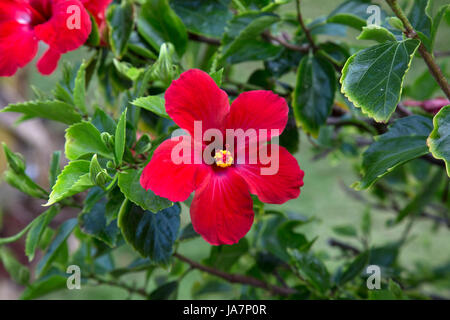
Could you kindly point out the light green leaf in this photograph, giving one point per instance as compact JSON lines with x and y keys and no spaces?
{"x":439,"y":139}
{"x":372,"y":78}
{"x":121,"y":22}
{"x":37,"y":230}
{"x":63,"y":233}
{"x":157,"y":24}
{"x":55,"y":168}
{"x":217,"y":76}
{"x":345,"y":230}
{"x":354,"y":269}
{"x":79,"y":91}
{"x":83,"y":139}
{"x":120,"y":136}
{"x":52,"y":110}
{"x":376,"y":33}
{"x":44,"y":286}
{"x":24,"y":183}
{"x":18,"y":272}
{"x":405,"y":140}
{"x":73,"y":179}
{"x":131,"y":187}
{"x":314,"y":93}
{"x":153,"y":104}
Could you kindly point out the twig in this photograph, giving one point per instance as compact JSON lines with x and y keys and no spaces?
{"x":122,"y":285}
{"x":200,"y":38}
{"x":429,"y":60}
{"x":441,"y":54}
{"x":236,"y":278}
{"x":268,"y":36}
{"x":344,"y":246}
{"x":305,"y":29}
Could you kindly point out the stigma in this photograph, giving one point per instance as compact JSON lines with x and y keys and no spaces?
{"x":223,"y":158}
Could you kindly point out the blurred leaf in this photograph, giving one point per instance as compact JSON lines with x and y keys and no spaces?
{"x":157,"y":24}
{"x":206,"y":17}
{"x":167,"y":291}
{"x":130,"y":186}
{"x":345,"y":230}
{"x":217,"y":76}
{"x":55,"y":168}
{"x":153,"y":104}
{"x":242,"y":39}
{"x":18,"y":272}
{"x":44,"y":286}
{"x":372,"y":78}
{"x":353,"y":13}
{"x":79,"y":91}
{"x":421,"y":21}
{"x":442,"y":13}
{"x":15,"y":160}
{"x":312,"y":269}
{"x":83,"y":139}
{"x":354,"y":269}
{"x":151,"y":234}
{"x":404,"y":141}
{"x":313,"y":96}
{"x":52,"y":110}
{"x":63,"y":233}
{"x":286,"y":61}
{"x":24,"y":183}
{"x":225,"y":256}
{"x":395,"y":289}
{"x":37,"y":230}
{"x":73,"y":179}
{"x":188,"y":233}
{"x":366,"y":222}
{"x":121,"y":22}
{"x":439,"y":139}
{"x":207,"y":288}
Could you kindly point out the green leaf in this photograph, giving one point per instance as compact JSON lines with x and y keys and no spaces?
{"x":421,"y":21}
{"x":15,"y":160}
{"x":352,"y":13}
{"x":346,"y":230}
{"x":93,"y":222}
{"x":128,"y":70}
{"x":153,"y":104}
{"x":44,"y":286}
{"x":405,"y":140}
{"x":103,"y":122}
{"x":395,"y":289}
{"x":131,"y":187}
{"x":24,"y":183}
{"x":63,"y":233}
{"x":442,"y":12}
{"x":312,"y":269}
{"x":120,"y":136}
{"x":354,"y":269}
{"x":225,"y":256}
{"x":121,"y":22}
{"x":439,"y":139}
{"x":217,"y":76}
{"x":18,"y":272}
{"x":37,"y":230}
{"x":165,"y":292}
{"x":157,"y":23}
{"x":52,"y":110}
{"x":79,"y":91}
{"x":55,"y":169}
{"x":206,"y":17}
{"x":313,"y":96}
{"x":151,"y":234}
{"x":188,"y":233}
{"x":84,"y":139}
{"x":372,"y":78}
{"x":242,"y":39}
{"x":73,"y":179}
{"x":376,"y":33}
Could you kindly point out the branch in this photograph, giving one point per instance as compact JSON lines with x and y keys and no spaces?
{"x":200,"y":38}
{"x":125,"y":286}
{"x":269,"y":37}
{"x":236,"y":278}
{"x":305,"y":29}
{"x":344,"y":246}
{"x":429,"y":60}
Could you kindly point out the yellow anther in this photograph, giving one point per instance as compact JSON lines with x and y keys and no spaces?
{"x":223,"y":158}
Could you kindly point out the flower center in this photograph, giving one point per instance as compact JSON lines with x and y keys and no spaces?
{"x":223,"y":158}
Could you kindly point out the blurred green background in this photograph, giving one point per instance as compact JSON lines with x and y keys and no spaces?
{"x":325,"y":195}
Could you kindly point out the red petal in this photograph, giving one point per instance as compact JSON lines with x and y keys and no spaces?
{"x":276,"y":188}
{"x":196,"y":97}
{"x":49,"y":61}
{"x":168,"y":179}
{"x":97,"y":8}
{"x":222,"y":209}
{"x":257,"y":110}
{"x":61,"y":32}
{"x":18,"y":46}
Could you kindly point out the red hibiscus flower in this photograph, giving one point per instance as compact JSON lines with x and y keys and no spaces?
{"x":222,"y":208}
{"x":63,"y":24}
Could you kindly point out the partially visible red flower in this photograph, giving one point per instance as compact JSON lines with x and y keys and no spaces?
{"x":23,"y":23}
{"x":98,"y":10}
{"x":222,"y":208}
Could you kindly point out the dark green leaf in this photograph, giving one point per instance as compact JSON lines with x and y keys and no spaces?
{"x":18,"y":272}
{"x":314,"y":93}
{"x":151,"y":234}
{"x":119,"y":145}
{"x":225,"y":256}
{"x":165,"y":292}
{"x":405,"y":140}
{"x":355,"y":268}
{"x":372,"y":78}
{"x":121,"y":22}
